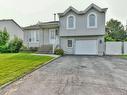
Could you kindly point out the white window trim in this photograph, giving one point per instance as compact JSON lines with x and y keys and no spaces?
{"x":35,"y":33}
{"x":72,"y":43}
{"x":88,"y":24}
{"x":67,"y":24}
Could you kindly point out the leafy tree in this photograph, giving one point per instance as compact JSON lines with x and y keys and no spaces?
{"x":4,"y":37}
{"x":108,"y":37}
{"x":115,"y":31}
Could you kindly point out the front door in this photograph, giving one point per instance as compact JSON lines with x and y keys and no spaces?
{"x":52,"y":36}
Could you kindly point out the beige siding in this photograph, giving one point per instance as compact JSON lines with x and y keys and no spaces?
{"x":81,"y":25}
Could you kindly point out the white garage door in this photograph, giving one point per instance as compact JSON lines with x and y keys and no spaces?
{"x":86,"y":47}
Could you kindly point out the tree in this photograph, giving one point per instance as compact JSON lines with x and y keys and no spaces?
{"x":115,"y":31}
{"x":4,"y":37}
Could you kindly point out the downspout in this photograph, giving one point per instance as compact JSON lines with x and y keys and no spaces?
{"x":42,"y":34}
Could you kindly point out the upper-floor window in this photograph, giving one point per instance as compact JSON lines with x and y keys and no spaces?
{"x":71,"y":21}
{"x":92,"y":20}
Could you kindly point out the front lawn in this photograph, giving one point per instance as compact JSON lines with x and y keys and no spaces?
{"x":123,"y":56}
{"x":13,"y":66}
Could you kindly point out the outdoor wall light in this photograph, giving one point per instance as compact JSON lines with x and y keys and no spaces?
{"x":100,"y":41}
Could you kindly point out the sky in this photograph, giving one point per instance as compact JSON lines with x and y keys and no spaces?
{"x":29,"y":12}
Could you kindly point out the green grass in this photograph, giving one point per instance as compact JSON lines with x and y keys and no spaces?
{"x":123,"y":56}
{"x":13,"y":66}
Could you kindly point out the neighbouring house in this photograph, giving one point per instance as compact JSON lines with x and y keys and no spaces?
{"x":76,"y":32}
{"x":12,"y":28}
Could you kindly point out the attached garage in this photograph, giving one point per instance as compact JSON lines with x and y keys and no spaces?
{"x":86,"y":47}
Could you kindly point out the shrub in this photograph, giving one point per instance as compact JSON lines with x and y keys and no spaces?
{"x":4,"y":37}
{"x":4,"y":49}
{"x":23,"y":48}
{"x":59,"y":52}
{"x":33,"y":49}
{"x":28,"y":49}
{"x":15,"y":45}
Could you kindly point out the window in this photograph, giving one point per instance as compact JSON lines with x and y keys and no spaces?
{"x":34,"y":36}
{"x":69,"y":43}
{"x":52,"y":34}
{"x":71,"y":22}
{"x":92,"y":20}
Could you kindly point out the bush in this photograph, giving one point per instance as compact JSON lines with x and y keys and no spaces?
{"x":23,"y":48}
{"x":4,"y":37}
{"x":33,"y":49}
{"x":29,"y":49}
{"x":59,"y":52}
{"x":15,"y":45}
{"x":4,"y":49}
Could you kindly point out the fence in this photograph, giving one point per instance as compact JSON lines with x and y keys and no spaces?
{"x":116,"y":48}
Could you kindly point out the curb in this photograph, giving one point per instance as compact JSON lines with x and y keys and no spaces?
{"x":18,"y":78}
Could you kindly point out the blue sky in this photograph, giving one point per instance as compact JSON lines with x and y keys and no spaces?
{"x":28,"y":12}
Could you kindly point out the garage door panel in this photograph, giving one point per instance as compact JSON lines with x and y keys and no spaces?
{"x":86,"y":47}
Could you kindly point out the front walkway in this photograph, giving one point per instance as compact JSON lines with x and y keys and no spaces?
{"x":75,"y":75}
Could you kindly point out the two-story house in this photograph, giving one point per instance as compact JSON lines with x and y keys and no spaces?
{"x":76,"y":32}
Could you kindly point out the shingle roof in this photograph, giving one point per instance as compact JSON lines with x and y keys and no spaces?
{"x":12,"y":21}
{"x":83,"y":12}
{"x":52,"y":24}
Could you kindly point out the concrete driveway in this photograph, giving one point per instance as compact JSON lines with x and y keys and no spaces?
{"x":75,"y":75}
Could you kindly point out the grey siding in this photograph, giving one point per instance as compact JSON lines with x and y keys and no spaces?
{"x":43,"y":38}
{"x":27,"y":37}
{"x":12,"y":28}
{"x":81,"y":25}
{"x":46,"y":36}
{"x":69,"y":50}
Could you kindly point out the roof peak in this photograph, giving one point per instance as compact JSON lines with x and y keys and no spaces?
{"x":82,"y":12}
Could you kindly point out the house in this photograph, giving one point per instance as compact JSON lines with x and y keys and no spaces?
{"x":76,"y":32}
{"x":42,"y":34}
{"x":12,"y":28}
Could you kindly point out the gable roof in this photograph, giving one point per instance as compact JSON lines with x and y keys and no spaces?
{"x":95,"y":7}
{"x":69,"y":9}
{"x":2,"y":20}
{"x":43,"y":25}
{"x":85,"y":11}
